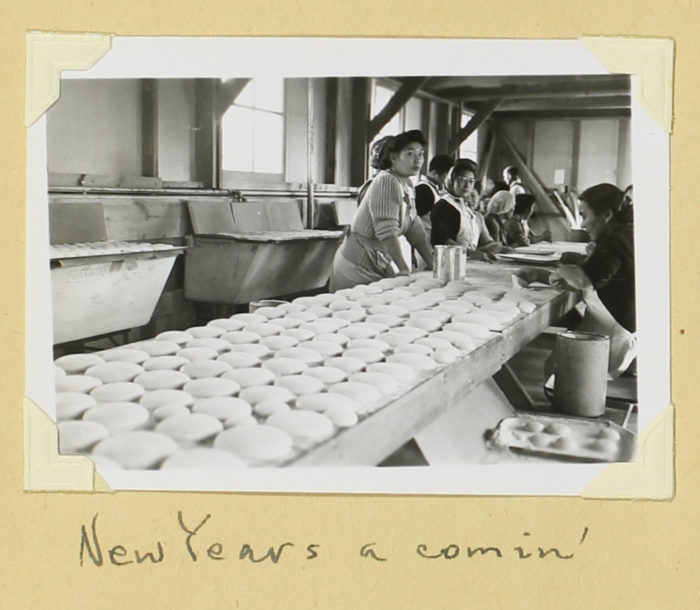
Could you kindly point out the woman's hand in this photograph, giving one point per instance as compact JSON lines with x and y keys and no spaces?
{"x":478,"y":255}
{"x":528,"y":276}
{"x":572,"y":277}
{"x":572,"y":258}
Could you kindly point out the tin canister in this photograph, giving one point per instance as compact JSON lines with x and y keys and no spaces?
{"x":449,"y":263}
{"x":580,"y":373}
{"x":461,"y":263}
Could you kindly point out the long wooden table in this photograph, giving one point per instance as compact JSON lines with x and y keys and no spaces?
{"x":383,"y":432}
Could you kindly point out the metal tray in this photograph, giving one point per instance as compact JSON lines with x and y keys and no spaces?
{"x":564,"y":438}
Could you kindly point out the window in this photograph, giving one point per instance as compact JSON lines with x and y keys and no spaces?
{"x":408,"y":117}
{"x":468,"y":148}
{"x":252,"y":129}
{"x":381,"y":97}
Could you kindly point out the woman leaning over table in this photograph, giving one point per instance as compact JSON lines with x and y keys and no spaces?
{"x":372,"y":250}
{"x":605,"y":276}
{"x":499,"y":210}
{"x":455,"y":223}
{"x":517,"y":229}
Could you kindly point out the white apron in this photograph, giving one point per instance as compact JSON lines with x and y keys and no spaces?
{"x":469,"y":229}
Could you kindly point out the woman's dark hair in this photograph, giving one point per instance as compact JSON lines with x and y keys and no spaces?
{"x":464,"y":165}
{"x":499,"y":185}
{"x":441,"y":164}
{"x":379,"y":153}
{"x":523,"y":203}
{"x":414,"y":136}
{"x":603,"y":198}
{"x":511,"y":173}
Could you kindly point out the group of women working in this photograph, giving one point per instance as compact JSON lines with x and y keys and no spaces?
{"x":444,"y":209}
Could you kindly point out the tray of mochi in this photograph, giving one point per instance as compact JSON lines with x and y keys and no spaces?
{"x":565,"y":438}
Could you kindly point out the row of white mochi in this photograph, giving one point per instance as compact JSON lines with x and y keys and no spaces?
{"x":313,"y":377}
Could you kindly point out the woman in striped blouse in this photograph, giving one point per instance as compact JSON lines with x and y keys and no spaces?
{"x":371,"y":250}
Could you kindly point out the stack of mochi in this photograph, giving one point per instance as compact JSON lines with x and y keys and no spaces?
{"x":103,"y":248}
{"x":260,"y":389}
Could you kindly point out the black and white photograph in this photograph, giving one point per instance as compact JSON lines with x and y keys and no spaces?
{"x":346,"y":265}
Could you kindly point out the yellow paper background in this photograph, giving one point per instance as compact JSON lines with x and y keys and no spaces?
{"x":636,"y":553}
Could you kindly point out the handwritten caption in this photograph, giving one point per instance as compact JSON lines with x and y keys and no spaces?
{"x":198,"y":545}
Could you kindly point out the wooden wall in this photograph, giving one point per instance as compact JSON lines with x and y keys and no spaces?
{"x":587,"y":151}
{"x":95,"y":128}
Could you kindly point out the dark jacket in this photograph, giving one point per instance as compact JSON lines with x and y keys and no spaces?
{"x":611,"y":270}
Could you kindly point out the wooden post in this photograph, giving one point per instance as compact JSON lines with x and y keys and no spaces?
{"x":149,"y":127}
{"x":483,"y":113}
{"x":425,"y":128}
{"x":331,"y":128}
{"x":573,"y":179}
{"x":206,"y":140}
{"x":311,"y":128}
{"x":360,"y":120}
{"x":397,"y":101}
{"x":443,"y":128}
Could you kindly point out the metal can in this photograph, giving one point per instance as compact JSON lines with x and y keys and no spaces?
{"x":449,"y":263}
{"x":581,"y":373}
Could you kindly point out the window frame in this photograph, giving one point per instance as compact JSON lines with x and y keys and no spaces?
{"x":238,"y":179}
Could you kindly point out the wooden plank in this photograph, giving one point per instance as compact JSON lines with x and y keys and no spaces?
{"x":76,"y":221}
{"x":383,"y":432}
{"x":144,"y":219}
{"x":370,"y":441}
{"x":211,"y":216}
{"x":397,"y":101}
{"x":483,"y":113}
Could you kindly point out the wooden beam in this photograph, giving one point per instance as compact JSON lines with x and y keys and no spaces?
{"x":474,"y":94}
{"x":442,"y":83}
{"x":360,"y":119}
{"x":566,"y":103}
{"x":483,"y":113}
{"x":530,"y":179}
{"x":487,"y":157}
{"x":397,"y":101}
{"x":228,"y":91}
{"x":149,"y":127}
{"x":564,"y":114}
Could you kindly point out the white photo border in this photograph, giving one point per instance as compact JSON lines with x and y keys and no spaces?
{"x":173,"y":57}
